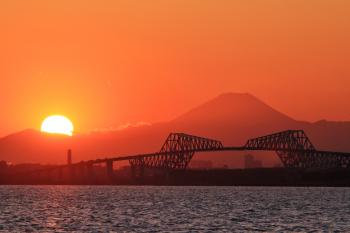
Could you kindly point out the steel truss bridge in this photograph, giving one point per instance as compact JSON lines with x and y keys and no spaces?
{"x":293,"y":147}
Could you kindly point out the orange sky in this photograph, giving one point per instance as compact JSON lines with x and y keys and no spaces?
{"x":105,"y":63}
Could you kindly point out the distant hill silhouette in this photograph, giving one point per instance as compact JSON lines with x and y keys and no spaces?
{"x":234,"y":117}
{"x":230,"y":117}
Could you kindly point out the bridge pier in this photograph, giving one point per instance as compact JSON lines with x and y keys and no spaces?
{"x":109,"y":168}
{"x":81,"y":173}
{"x":60,"y":174}
{"x":72,"y":173}
{"x":90,"y":171}
{"x":48,"y":176}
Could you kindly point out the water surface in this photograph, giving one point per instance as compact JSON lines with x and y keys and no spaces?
{"x":175,"y":209}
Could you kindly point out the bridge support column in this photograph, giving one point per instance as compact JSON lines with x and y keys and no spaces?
{"x":72,"y":174}
{"x":109,"y":167}
{"x":59,"y":174}
{"x":133,"y":171}
{"x":81,"y":173}
{"x":90,"y":171}
{"x":48,"y":177}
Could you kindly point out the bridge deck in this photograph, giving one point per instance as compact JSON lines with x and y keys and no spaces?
{"x":229,"y":148}
{"x":292,"y":146}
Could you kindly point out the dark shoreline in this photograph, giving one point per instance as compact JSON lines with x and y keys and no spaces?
{"x":265,"y":177}
{"x":215,"y":177}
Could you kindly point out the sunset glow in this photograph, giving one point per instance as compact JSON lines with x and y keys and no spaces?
{"x":57,"y":125}
{"x":184,"y":51}
{"x":118,"y":113}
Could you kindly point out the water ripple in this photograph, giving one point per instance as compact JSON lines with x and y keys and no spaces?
{"x":173,"y":209}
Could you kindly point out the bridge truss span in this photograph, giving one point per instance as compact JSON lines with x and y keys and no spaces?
{"x":289,"y":140}
{"x":177,"y":151}
{"x":295,"y":150}
{"x":293,"y":147}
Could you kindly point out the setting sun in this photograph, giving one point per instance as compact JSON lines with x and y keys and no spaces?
{"x":57,"y":125}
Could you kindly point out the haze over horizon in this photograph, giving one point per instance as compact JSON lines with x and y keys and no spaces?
{"x":229,"y":96}
{"x":103,"y":64}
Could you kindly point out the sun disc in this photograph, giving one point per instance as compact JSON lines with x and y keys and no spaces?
{"x":57,"y":124}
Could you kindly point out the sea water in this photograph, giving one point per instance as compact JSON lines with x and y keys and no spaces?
{"x":173,"y":209}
